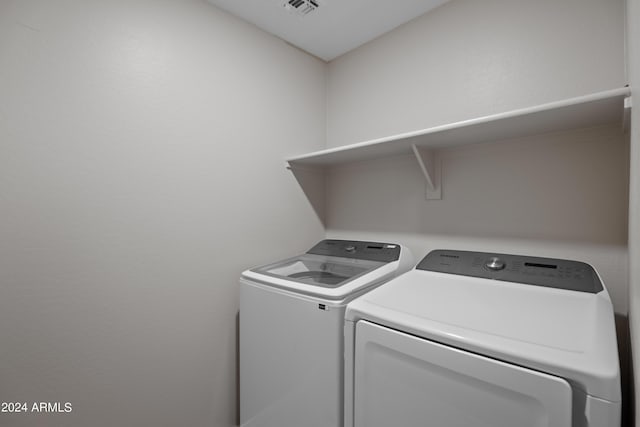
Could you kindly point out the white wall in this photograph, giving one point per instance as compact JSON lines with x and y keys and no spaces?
{"x":141,"y":147}
{"x":633,"y":55}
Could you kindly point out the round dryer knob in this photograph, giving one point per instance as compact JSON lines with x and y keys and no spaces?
{"x":350,"y":249}
{"x":495,"y":264}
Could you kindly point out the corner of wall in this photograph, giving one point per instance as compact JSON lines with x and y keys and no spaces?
{"x":632,"y":54}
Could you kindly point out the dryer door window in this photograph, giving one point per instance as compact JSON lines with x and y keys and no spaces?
{"x":405,"y":381}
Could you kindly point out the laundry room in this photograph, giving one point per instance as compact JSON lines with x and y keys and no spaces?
{"x":161,"y":160}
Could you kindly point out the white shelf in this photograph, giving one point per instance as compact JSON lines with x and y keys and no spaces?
{"x":585,"y":111}
{"x":596,"y":109}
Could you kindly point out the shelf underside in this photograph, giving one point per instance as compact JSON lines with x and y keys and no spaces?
{"x":597,"y":109}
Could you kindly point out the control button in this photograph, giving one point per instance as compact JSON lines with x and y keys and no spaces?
{"x":495,"y":264}
{"x":350,"y":248}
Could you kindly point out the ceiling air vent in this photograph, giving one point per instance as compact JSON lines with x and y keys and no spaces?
{"x":301,"y":7}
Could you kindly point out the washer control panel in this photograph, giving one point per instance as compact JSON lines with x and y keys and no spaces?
{"x":548,"y":272}
{"x":373,"y":251}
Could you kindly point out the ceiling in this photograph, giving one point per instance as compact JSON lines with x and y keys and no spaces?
{"x":327,"y":28}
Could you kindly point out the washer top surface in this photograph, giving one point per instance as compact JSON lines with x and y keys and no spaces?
{"x":568,"y":332}
{"x":334,"y":269}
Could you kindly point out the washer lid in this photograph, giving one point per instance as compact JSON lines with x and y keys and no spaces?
{"x":334,"y":269}
{"x":319,"y":270}
{"x":567,"y":333}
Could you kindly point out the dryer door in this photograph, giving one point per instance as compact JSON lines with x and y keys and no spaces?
{"x":405,"y":381}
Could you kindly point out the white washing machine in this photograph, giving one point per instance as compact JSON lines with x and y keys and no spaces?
{"x":483,"y":340}
{"x":291,"y":330}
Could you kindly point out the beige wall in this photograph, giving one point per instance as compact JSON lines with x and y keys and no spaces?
{"x":633,"y":54}
{"x":141,"y":170}
{"x":472,"y":58}
{"x":561,"y":195}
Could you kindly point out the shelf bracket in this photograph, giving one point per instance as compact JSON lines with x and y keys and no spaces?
{"x":431,"y":166}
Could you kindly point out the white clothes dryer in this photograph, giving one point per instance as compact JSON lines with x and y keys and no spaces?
{"x":291,"y":330}
{"x":483,"y":340}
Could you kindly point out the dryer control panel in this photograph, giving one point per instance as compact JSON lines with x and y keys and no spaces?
{"x":548,"y":272}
